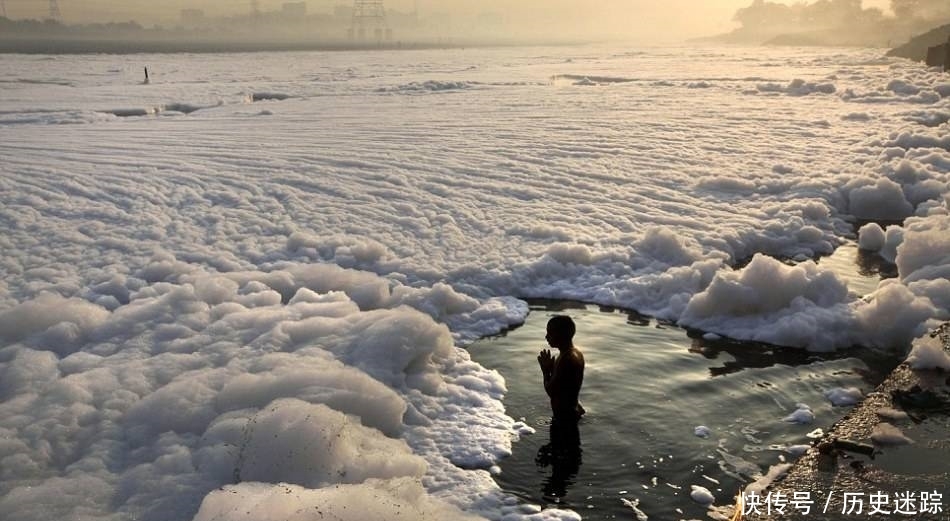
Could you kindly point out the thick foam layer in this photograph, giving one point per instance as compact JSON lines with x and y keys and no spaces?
{"x":193,"y":385}
{"x":177,"y":291}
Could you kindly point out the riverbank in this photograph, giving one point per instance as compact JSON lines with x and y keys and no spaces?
{"x":915,"y":402}
{"x":106,"y":46}
{"x":916,"y":48}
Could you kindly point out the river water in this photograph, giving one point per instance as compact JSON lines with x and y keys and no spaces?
{"x":648,"y":386}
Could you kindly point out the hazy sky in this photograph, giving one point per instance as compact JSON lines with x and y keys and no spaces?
{"x":639,"y":19}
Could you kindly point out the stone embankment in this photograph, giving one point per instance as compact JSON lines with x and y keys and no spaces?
{"x":905,"y":422}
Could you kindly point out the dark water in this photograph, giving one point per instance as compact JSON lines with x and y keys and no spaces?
{"x":647,"y":386}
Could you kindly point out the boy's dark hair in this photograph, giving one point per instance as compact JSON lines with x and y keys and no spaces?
{"x":563,"y":326}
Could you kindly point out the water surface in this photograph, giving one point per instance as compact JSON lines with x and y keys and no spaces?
{"x":648,"y":385}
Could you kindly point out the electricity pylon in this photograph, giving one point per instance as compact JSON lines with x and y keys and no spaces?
{"x":369,"y":15}
{"x":54,"y":13}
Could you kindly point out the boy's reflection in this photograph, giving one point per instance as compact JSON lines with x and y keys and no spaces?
{"x":563,"y":454}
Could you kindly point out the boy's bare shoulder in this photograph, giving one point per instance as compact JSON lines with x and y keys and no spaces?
{"x":577,"y":356}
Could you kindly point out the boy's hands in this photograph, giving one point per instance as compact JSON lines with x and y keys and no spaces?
{"x":546,"y":361}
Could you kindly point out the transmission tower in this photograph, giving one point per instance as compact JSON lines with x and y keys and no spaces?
{"x":3,"y":8}
{"x":369,"y":19}
{"x":255,"y":9}
{"x":54,"y":13}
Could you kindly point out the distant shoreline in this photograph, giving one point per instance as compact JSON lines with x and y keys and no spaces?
{"x":83,"y":46}
{"x":106,"y":46}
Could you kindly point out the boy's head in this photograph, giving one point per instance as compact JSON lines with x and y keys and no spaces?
{"x":561,"y":331}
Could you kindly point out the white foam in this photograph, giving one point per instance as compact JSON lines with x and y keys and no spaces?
{"x":314,"y":392}
{"x":887,"y":434}
{"x":798,"y":450}
{"x":893,"y":238}
{"x":762,"y":482}
{"x":772,"y":302}
{"x":802,"y":415}
{"x":702,"y":495}
{"x":798,"y":87}
{"x":841,"y":396}
{"x":50,"y":310}
{"x":903,"y":87}
{"x":403,"y":499}
{"x":925,"y":250}
{"x":857,"y":116}
{"x":430,"y":86}
{"x":893,"y":316}
{"x":928,"y":353}
{"x":889,"y":413}
{"x":871,"y":237}
{"x":165,"y":283}
{"x":634,"y":505}
{"x":880,"y":199}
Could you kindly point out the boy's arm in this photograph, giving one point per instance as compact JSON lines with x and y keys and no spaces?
{"x":551,"y":379}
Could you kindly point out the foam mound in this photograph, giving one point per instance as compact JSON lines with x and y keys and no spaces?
{"x":798,"y":87}
{"x":212,"y":380}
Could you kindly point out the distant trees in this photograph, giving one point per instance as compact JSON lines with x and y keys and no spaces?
{"x":763,"y":14}
{"x":32,"y":27}
{"x":830,"y":13}
{"x":930,"y":10}
{"x":29,"y":26}
{"x":836,"y":22}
